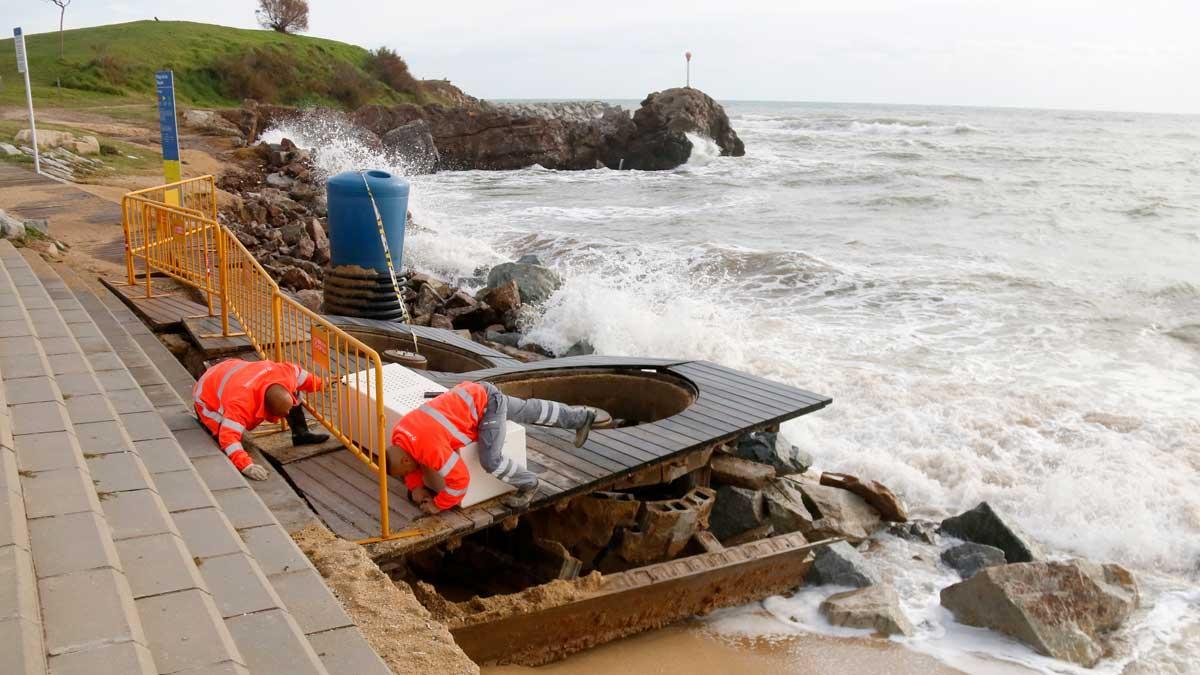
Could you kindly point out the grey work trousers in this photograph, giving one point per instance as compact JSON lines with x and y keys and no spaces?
{"x":501,"y":407}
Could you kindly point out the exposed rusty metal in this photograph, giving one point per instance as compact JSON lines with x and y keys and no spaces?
{"x":665,"y":472}
{"x":638,"y":600}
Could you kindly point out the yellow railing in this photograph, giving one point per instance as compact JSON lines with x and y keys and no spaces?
{"x":186,"y":243}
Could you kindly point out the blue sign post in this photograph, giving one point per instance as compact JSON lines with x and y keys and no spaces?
{"x":164,"y":83}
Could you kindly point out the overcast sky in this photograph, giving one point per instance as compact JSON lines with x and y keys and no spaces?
{"x":1115,"y":55}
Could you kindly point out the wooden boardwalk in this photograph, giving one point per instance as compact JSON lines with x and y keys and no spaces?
{"x":728,"y":403}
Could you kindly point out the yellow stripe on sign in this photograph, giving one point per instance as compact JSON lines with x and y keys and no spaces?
{"x":173,"y":172}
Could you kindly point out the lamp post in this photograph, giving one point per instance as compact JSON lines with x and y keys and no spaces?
{"x":688,"y":56}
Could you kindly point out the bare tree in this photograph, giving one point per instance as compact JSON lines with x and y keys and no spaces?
{"x":285,"y":16}
{"x":62,"y":11}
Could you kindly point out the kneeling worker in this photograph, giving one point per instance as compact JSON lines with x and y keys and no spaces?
{"x":473,"y":411}
{"x":235,"y":396}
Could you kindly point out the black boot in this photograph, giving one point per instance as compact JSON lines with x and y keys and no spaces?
{"x":300,"y":433}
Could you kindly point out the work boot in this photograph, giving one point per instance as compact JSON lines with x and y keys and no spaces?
{"x":522,"y":497}
{"x":581,"y":434}
{"x":300,"y":433}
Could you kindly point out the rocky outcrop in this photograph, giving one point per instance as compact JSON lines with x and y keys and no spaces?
{"x":840,"y":564}
{"x":413,"y":144}
{"x":48,"y":138}
{"x":983,"y":525}
{"x":663,"y":121}
{"x":769,"y":447}
{"x":1061,"y":609}
{"x":969,"y":558}
{"x":875,"y":607}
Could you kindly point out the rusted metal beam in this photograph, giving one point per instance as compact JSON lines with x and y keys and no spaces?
{"x":639,"y":600}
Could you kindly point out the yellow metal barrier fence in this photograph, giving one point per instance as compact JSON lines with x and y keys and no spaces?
{"x":186,"y":243}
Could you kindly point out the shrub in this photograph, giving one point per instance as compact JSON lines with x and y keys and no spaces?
{"x":262,"y":73}
{"x":387,"y":67}
{"x":349,"y":86}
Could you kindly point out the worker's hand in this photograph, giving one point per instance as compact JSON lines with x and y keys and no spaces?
{"x":255,"y":472}
{"x":421,"y":494}
{"x":429,"y":507}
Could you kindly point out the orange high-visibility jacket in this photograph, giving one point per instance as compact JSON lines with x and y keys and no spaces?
{"x":229,"y":399}
{"x":434,"y":432}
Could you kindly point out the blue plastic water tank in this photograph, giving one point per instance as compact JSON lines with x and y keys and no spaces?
{"x":353,"y":236}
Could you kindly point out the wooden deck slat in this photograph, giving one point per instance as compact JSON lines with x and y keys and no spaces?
{"x":579,"y":465}
{"x":570,"y":475}
{"x":696,"y":435}
{"x":759,"y":382}
{"x":605,"y":438}
{"x":350,"y":485}
{"x":322,"y":496}
{"x":663,"y":436}
{"x":342,"y":463}
{"x":747,"y":397}
{"x":565,"y":441}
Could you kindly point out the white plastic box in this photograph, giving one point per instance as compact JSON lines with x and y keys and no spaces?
{"x":403,"y":391}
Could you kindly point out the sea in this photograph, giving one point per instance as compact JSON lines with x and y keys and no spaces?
{"x":1004,"y":305}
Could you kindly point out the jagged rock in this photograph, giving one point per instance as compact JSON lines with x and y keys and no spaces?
{"x":471,"y":317}
{"x":581,"y":348}
{"x":427,"y":300}
{"x":731,"y":470}
{"x":211,"y":122}
{"x":916,"y":530}
{"x":983,"y":525}
{"x":535,"y":284}
{"x":441,"y":321}
{"x":889,"y":506}
{"x":839,"y":564}
{"x":316,"y":232}
{"x":10,"y":150}
{"x":785,"y":508}
{"x":737,"y":510}
{"x":969,"y":558}
{"x":310,"y":298}
{"x":662,"y":122}
{"x":508,"y":339}
{"x":769,"y":447}
{"x":292,"y":233}
{"x":11,"y":227}
{"x":279,"y":181}
{"x":876,"y":607}
{"x":1062,"y":609}
{"x":304,"y":248}
{"x":413,"y":142}
{"x":505,"y":297}
{"x":294,"y":277}
{"x":838,"y":512}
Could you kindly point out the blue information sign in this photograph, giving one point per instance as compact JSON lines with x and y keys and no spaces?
{"x":164,"y":83}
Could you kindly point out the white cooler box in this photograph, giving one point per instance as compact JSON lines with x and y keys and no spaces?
{"x":403,"y":391}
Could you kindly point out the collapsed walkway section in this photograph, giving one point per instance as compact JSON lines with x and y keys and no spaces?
{"x":128,"y":543}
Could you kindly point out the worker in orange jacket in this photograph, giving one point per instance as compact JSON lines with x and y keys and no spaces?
{"x":473,"y":411}
{"x":235,"y":396}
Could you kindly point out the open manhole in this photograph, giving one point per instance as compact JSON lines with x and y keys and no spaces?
{"x":631,"y":395}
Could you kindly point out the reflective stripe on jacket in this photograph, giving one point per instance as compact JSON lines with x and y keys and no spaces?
{"x":433,"y":433}
{"x":229,"y":399}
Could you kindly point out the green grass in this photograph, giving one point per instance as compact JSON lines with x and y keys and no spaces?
{"x":115,"y":64}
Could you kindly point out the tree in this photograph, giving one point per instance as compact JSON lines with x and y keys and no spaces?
{"x":62,"y":11}
{"x":285,"y":16}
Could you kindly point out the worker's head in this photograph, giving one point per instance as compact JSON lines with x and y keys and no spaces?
{"x":278,"y":401}
{"x":400,"y":463}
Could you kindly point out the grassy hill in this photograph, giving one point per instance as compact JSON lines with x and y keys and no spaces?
{"x":214,"y":66}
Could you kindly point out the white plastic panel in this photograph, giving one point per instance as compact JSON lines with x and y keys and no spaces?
{"x":403,"y":391}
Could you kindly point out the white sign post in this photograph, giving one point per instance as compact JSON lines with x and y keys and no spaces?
{"x":23,"y":68}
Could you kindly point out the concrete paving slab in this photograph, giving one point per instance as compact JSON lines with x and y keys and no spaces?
{"x":71,"y":316}
{"x":89,"y":408}
{"x":177,"y":417}
{"x":207,"y":533}
{"x":13,"y":529}
{"x":85,"y":330}
{"x":270,"y":644}
{"x":69,"y":363}
{"x":22,"y":366}
{"x":309,"y":601}
{"x":116,"y":380}
{"x":18,"y":346}
{"x":16,"y":327}
{"x":50,"y":450}
{"x":94,"y":345}
{"x":162,"y":455}
{"x":182,"y":491}
{"x":136,"y":514}
{"x":102,"y":362}
{"x":23,"y":653}
{"x":71,"y":543}
{"x":53,"y":328}
{"x":129,"y":401}
{"x":126,"y":658}
{"x":196,"y":442}
{"x":185,"y":631}
{"x":243,"y":507}
{"x":158,"y":564}
{"x":345,"y":650}
{"x":98,"y":438}
{"x":145,"y":375}
{"x":78,"y":384}
{"x":237,"y":585}
{"x":18,"y":590}
{"x":59,"y":345}
{"x":58,"y":492}
{"x":144,"y":426}
{"x":30,"y":390}
{"x":218,"y":473}
{"x":227,"y":668}
{"x":117,"y":472}
{"x":274,"y":550}
{"x":38,"y":418}
{"x":12,"y":312}
{"x":87,"y":608}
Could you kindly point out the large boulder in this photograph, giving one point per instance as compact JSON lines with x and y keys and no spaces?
{"x":11,"y":227}
{"x":1062,"y":609}
{"x":785,"y":507}
{"x":839,"y":564}
{"x":736,"y":511}
{"x":663,"y":122}
{"x":49,"y":138}
{"x":983,"y":525}
{"x":769,"y":447}
{"x":535,"y":283}
{"x":969,"y":558}
{"x":837,"y":512}
{"x":413,"y":143}
{"x":876,"y":607}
